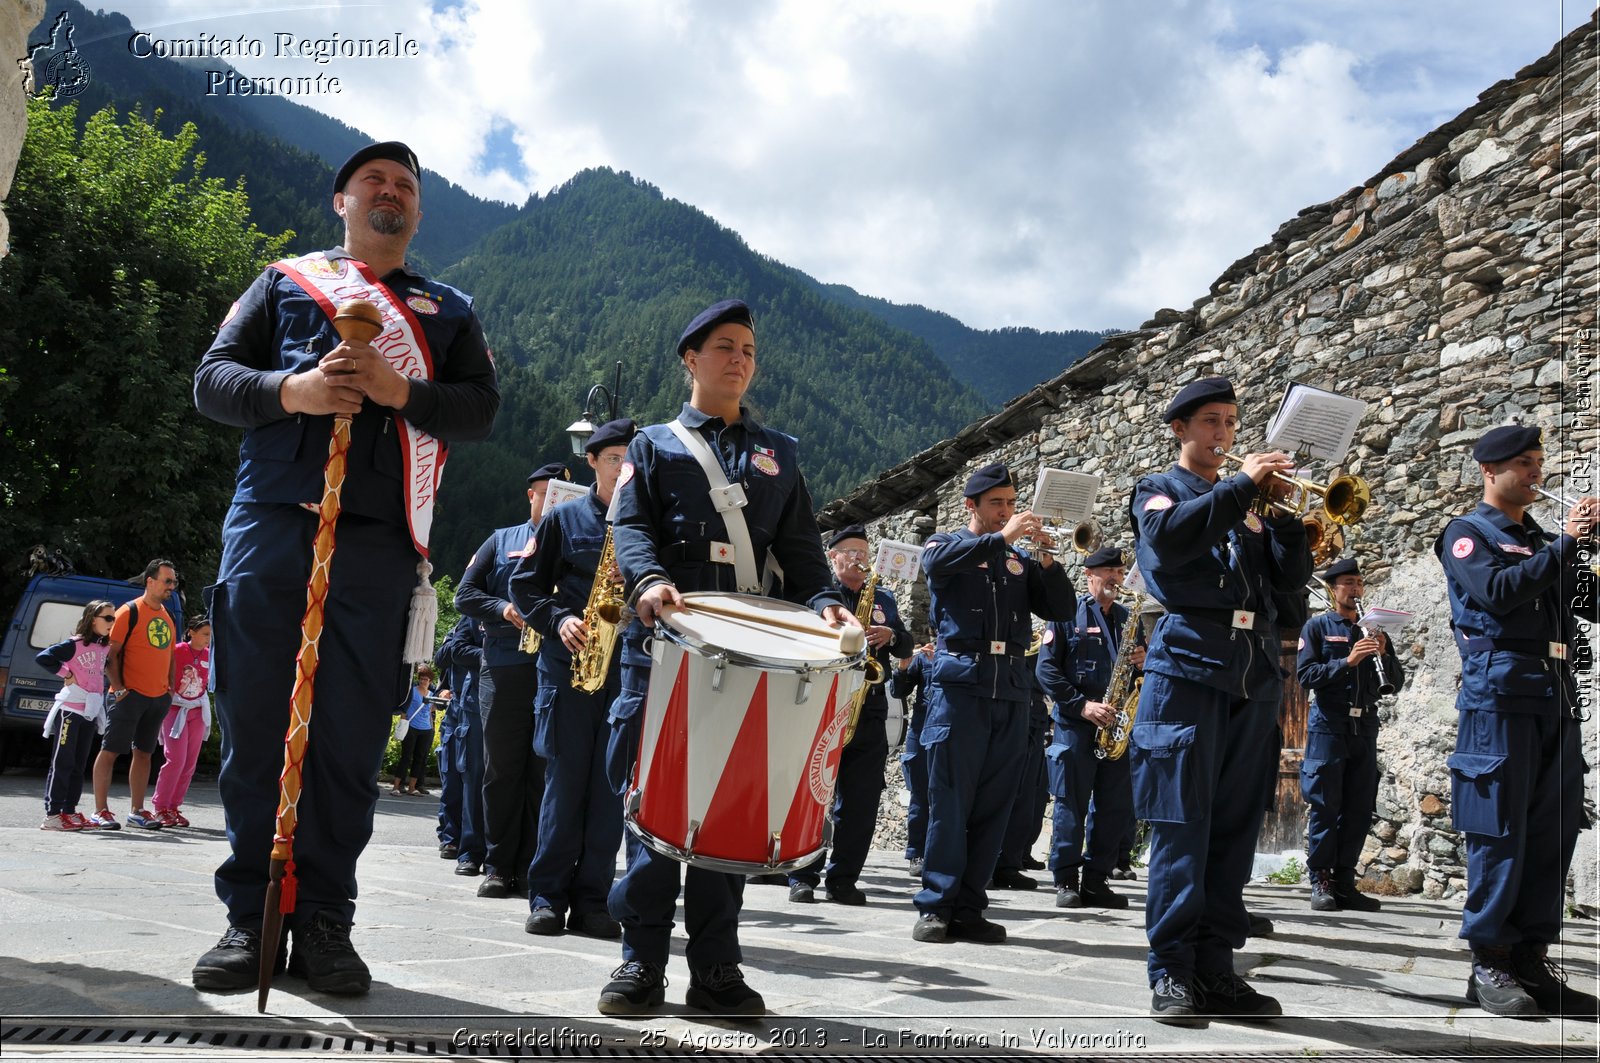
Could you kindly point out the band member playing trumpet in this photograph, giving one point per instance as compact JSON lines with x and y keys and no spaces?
{"x":860,"y":780}
{"x":1203,"y":742}
{"x":580,"y":818}
{"x":513,"y":775}
{"x":674,"y":532}
{"x":982,"y":589}
{"x":1338,"y":663}
{"x":1516,"y":596}
{"x":1074,"y":667}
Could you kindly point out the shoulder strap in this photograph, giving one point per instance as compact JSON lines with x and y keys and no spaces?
{"x":728,"y":502}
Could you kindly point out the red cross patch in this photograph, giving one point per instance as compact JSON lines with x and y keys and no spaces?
{"x":723,"y":552}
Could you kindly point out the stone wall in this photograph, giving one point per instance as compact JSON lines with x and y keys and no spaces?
{"x":17,"y":20}
{"x":1454,"y":291}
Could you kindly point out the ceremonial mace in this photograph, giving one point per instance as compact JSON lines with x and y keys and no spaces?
{"x":357,"y":321}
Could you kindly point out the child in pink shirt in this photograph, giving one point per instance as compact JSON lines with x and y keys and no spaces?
{"x":78,"y":714}
{"x":188,"y":722}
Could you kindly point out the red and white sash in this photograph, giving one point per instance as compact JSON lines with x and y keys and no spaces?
{"x":403,"y":345}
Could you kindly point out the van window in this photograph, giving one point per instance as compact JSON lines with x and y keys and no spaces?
{"x":53,"y":622}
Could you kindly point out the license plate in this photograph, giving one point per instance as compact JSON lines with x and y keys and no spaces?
{"x":35,"y":704}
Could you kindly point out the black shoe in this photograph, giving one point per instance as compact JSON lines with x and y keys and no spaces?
{"x":977,"y":928}
{"x":324,"y":957}
{"x":1124,"y":872}
{"x":930,"y":927}
{"x":1323,"y":898}
{"x":595,"y":925}
{"x":846,"y":893}
{"x":635,"y":987}
{"x":468,"y":867}
{"x":449,"y":852}
{"x":1172,"y":1001}
{"x":1227,"y":996}
{"x":1546,"y":983}
{"x":800,"y":893}
{"x":914,"y":867}
{"x":543,"y":921}
{"x":495,"y":885}
{"x":722,"y":991}
{"x":776,"y":878}
{"x":1351,"y":899}
{"x":234,"y":962}
{"x":1009,"y":878}
{"x":1494,"y":988}
{"x":1031,"y":864}
{"x":1096,"y":894}
{"x":1068,"y":897}
{"x":1260,"y":925}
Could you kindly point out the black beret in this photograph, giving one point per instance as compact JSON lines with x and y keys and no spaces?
{"x":1345,"y":566}
{"x":556,"y":470}
{"x":849,"y":531}
{"x":987,"y":479}
{"x":1105,"y":557}
{"x":392,"y":150}
{"x":618,"y":433}
{"x":1196,"y":394}
{"x":709,"y":318}
{"x":1505,"y":442}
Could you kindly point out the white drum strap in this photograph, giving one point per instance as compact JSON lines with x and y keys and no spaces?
{"x":727,"y":502}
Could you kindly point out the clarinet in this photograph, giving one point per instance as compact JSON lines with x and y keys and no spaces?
{"x":1385,"y":686}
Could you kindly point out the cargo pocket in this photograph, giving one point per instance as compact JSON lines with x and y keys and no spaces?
{"x":544,"y":722}
{"x":622,"y":747}
{"x":1163,"y":772}
{"x":1477,"y":797}
{"x":1057,"y":758}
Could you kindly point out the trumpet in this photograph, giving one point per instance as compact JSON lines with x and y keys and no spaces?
{"x":1087,"y":536}
{"x":1344,"y":498}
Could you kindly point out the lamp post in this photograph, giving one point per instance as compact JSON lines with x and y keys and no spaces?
{"x":580,"y":430}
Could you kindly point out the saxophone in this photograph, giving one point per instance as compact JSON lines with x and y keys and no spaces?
{"x":1122,"y":692}
{"x":875,"y":675}
{"x":603,"y":616}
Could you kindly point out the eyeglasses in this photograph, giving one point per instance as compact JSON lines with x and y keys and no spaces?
{"x":610,"y":459}
{"x":107,"y":617}
{"x":852,"y":555}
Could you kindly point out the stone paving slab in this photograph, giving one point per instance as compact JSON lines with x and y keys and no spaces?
{"x":100,"y":932}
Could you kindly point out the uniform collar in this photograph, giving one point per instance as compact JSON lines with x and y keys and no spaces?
{"x":1500,"y":520}
{"x":1195,"y":480}
{"x":336,"y":253}
{"x":696,"y":418}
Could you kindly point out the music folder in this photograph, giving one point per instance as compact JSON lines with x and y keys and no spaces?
{"x":1315,"y":422}
{"x":1065,"y":497}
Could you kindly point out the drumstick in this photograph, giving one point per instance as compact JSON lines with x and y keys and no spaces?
{"x":852,"y":640}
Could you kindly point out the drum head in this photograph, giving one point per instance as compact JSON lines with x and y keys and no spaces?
{"x":747,"y":625}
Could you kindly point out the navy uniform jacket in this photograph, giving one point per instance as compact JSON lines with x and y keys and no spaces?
{"x":554,"y":581}
{"x":885,"y":613}
{"x":1075,"y":659}
{"x":1204,"y":556}
{"x":276,"y":328}
{"x":982,"y":593}
{"x":1514,"y":591}
{"x":664,"y":522}
{"x":458,"y":659}
{"x":485,"y":591}
{"x":1325,"y":642}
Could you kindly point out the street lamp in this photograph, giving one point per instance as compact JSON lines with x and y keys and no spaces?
{"x":580,"y":430}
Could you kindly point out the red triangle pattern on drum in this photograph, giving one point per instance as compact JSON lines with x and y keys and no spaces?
{"x":665,"y":802}
{"x":735,"y":827}
{"x":806,"y":812}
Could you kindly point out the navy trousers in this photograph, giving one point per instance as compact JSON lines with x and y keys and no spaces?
{"x":975,"y":748}
{"x":69,"y":756}
{"x":855,"y":806}
{"x":914,"y":764}
{"x":461,"y":768}
{"x":580,"y":818}
{"x":513,"y":775}
{"x":1339,"y":781}
{"x":1517,"y":797}
{"x":1027,"y":808}
{"x":1083,"y":783}
{"x":1199,"y":756}
{"x":256,"y":606}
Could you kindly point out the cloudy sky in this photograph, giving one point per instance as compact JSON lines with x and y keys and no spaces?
{"x":1051,"y":163}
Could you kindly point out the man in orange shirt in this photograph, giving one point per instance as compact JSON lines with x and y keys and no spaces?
{"x":139,"y":683}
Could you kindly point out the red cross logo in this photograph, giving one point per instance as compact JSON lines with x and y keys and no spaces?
{"x":722,"y":552}
{"x":1241,"y":619}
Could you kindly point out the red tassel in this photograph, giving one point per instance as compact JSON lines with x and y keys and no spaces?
{"x":286,"y":898}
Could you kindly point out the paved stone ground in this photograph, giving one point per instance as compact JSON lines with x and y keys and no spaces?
{"x":100,"y":932}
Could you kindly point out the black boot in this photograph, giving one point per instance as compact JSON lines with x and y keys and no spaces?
{"x":324,"y":957}
{"x":1096,"y":894}
{"x":1546,"y":983}
{"x":1494,"y":988}
{"x":1351,"y":899}
{"x":1067,"y":895}
{"x":1323,"y":899}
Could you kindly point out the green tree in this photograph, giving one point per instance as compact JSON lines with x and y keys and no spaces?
{"x":123,"y":260}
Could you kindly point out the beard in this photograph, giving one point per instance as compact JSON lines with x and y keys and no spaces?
{"x":386,"y":222}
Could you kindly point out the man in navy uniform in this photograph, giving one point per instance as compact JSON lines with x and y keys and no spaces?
{"x":1075,"y":667}
{"x":860,"y":779}
{"x":1339,"y":663}
{"x":1203,"y":743}
{"x":513,"y":774}
{"x":1516,"y":595}
{"x":460,"y":661}
{"x":982,"y":590}
{"x":675,"y":533}
{"x":279,"y":370}
{"x":580,"y":821}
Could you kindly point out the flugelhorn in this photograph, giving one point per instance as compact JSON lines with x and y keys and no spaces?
{"x":1344,"y":498}
{"x":1087,"y":536}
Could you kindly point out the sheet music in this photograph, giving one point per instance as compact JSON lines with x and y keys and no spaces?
{"x":1065,"y":497}
{"x":1317,"y":422}
{"x":1391,"y":621}
{"x":1134,"y":580}
{"x":897,"y":560}
{"x":561,"y":491}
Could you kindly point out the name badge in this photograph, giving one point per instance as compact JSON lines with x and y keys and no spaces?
{"x":997,"y":648}
{"x":1244,"y":619}
{"x":1336,"y":638}
{"x":1558,"y":650}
